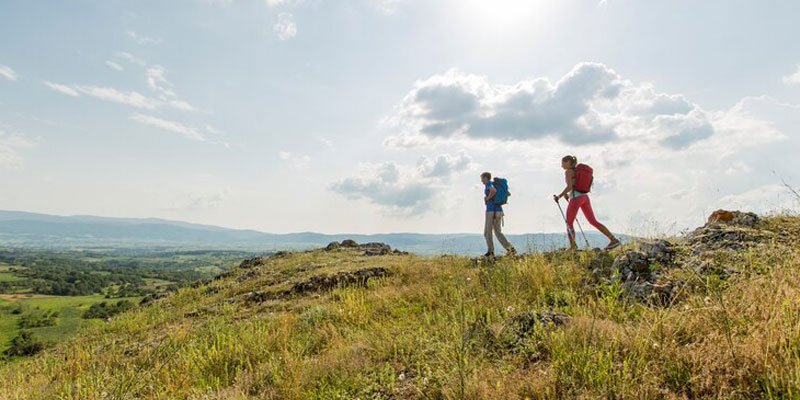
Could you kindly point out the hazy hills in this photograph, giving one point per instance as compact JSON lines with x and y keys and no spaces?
{"x":25,"y":229}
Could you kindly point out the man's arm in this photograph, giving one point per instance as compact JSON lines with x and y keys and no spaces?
{"x":492,"y":192}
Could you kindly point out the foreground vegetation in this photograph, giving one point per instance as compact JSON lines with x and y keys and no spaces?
{"x":445,"y":328}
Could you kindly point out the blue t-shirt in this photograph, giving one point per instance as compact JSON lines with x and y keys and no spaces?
{"x":490,"y":206}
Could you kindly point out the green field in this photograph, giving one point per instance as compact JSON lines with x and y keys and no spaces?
{"x":71,"y":309}
{"x":7,"y":276}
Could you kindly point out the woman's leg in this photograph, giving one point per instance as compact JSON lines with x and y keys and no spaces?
{"x":586,"y":207}
{"x":572,"y":212}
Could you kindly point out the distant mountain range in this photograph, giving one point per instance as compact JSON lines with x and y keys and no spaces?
{"x":24,"y":229}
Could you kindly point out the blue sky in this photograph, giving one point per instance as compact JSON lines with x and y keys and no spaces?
{"x":379,"y":115}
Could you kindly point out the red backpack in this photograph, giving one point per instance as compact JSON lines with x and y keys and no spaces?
{"x":583,"y":178}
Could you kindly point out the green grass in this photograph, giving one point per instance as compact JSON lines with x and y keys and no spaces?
{"x":9,"y":277}
{"x":69,"y":323}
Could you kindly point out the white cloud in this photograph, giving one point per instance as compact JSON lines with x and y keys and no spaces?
{"x":130,"y":58}
{"x":444,"y":165}
{"x":8,"y":73}
{"x":157,"y":81}
{"x":402,"y":190}
{"x":10,"y":145}
{"x":64,"y":89}
{"x":794,"y":78}
{"x":285,"y":28}
{"x":142,"y":39}
{"x":590,"y":105}
{"x":172,"y":126}
{"x":114,"y":66}
{"x":181,"y":105}
{"x":133,"y":99}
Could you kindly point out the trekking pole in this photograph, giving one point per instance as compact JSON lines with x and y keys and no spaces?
{"x":588,"y":246}
{"x":555,"y":198}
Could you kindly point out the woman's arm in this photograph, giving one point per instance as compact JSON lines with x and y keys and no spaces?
{"x":568,"y":176}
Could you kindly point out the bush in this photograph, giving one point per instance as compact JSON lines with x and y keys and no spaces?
{"x":25,"y":344}
{"x":38,"y":318}
{"x":104,"y":310}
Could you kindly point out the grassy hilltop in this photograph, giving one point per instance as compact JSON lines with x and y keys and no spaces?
{"x":712,"y":315}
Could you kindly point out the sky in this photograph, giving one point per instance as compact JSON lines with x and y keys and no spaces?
{"x":368,"y":116}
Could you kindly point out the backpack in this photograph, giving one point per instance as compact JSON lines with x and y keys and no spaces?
{"x":501,"y":196}
{"x":583,"y":178}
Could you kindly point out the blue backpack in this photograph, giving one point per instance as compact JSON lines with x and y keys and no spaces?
{"x":501,"y":197}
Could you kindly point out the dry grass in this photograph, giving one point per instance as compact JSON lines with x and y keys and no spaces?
{"x":434,"y":330}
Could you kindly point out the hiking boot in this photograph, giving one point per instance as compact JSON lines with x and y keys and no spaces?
{"x":511,"y":251}
{"x":613,"y":245}
{"x":489,"y":254}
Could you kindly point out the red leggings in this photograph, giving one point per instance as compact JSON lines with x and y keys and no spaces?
{"x":581,"y":202}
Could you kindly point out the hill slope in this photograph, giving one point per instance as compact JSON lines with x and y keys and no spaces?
{"x":712,"y":315}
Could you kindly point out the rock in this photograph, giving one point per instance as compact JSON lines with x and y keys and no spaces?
{"x":714,"y":237}
{"x":247,"y":275}
{"x":196,"y":284}
{"x":332,"y":246}
{"x":226,"y":274}
{"x":211,"y":290}
{"x":348,"y":243}
{"x":746,"y":219}
{"x":635,"y":261}
{"x":281,"y":254}
{"x":256,"y":297}
{"x":601,"y":260}
{"x":658,"y":250}
{"x":252,"y":262}
{"x":375,"y":249}
{"x":653,"y":293}
{"x":153,"y":297}
{"x":345,"y":278}
{"x":523,"y":324}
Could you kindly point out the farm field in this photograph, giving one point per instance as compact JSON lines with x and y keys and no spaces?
{"x":69,"y":322}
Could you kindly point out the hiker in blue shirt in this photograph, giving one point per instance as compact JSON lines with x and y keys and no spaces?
{"x":494,"y":217}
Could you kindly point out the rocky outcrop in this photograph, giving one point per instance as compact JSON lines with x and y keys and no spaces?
{"x":370,"y":249}
{"x":153,"y":297}
{"x":635,"y":272}
{"x":253,"y":262}
{"x":658,"y":250}
{"x":737,"y":218}
{"x":346,"y":278}
{"x":249,"y":274}
{"x":644,"y":272}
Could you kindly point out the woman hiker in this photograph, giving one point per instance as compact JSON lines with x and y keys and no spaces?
{"x":579,"y":181}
